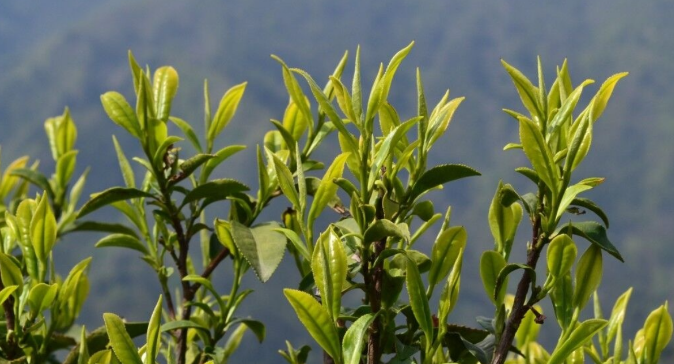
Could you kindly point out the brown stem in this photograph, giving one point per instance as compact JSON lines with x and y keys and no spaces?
{"x":375,"y":288}
{"x":519,"y":308}
{"x":8,"y":307}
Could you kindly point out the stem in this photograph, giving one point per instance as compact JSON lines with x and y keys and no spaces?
{"x":375,"y":288}
{"x":519,"y":308}
{"x":8,"y":307}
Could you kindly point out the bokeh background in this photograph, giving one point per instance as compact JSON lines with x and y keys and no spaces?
{"x":67,"y":53}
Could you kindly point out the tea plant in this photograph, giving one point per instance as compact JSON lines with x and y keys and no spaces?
{"x":39,"y":306}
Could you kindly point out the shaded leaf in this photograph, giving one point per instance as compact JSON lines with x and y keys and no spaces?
{"x":440,"y":175}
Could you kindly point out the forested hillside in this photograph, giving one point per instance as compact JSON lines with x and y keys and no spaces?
{"x":68,"y":53}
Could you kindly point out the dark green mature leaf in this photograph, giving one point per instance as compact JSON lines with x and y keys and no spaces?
{"x":120,"y":341}
{"x":122,"y":241}
{"x":121,"y":113}
{"x":578,"y":337}
{"x":103,"y":227}
{"x":352,"y":344}
{"x":34,"y":177}
{"x":595,"y":233}
{"x":262,"y":246}
{"x":189,"y":166}
{"x":381,"y":229}
{"x":316,"y":320}
{"x":109,"y":196}
{"x":218,"y":189}
{"x":590,"y":205}
{"x":182,"y":324}
{"x":440,"y":175}
{"x":500,"y":285}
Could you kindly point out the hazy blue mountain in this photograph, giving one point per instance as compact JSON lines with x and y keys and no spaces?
{"x":57,"y":54}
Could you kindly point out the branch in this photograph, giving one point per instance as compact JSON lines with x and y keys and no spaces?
{"x":8,"y":307}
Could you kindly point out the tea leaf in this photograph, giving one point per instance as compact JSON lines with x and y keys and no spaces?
{"x":120,"y":341}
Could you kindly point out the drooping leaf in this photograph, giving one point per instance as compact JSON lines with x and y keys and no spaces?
{"x":109,"y":196}
{"x":34,"y":177}
{"x":120,"y":341}
{"x":440,"y":175}
{"x":501,"y":280}
{"x":596,"y":234}
{"x":316,"y":320}
{"x":590,"y":205}
{"x":103,"y":227}
{"x":122,"y":241}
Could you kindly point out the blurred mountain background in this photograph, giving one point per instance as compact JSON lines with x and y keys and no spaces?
{"x":67,"y":53}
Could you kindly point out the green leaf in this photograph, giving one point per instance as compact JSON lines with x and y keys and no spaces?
{"x":162,"y":149}
{"x":220,"y":156}
{"x":327,"y":189}
{"x":122,"y":241}
{"x":527,"y":91}
{"x":566,"y":111}
{"x":164,"y":90}
{"x":65,"y":166}
{"x":445,"y":253}
{"x":296,"y":242}
{"x":109,"y":196}
{"x":127,"y":171}
{"x":295,"y":92}
{"x":285,"y":179}
{"x":120,"y":341}
{"x":491,"y":264}
{"x":153,"y":336}
{"x":226,"y":110}
{"x":501,"y":284}
{"x":596,"y":234}
{"x":6,"y":292}
{"x":440,"y":122}
{"x":440,"y":175}
{"x":294,"y":121}
{"x":604,"y":94}
{"x":380,"y":230}
{"x":381,"y":88}
{"x":83,"y":357}
{"x":389,"y":142}
{"x":189,"y":166}
{"x":40,"y":297}
{"x":580,"y":145}
{"x":657,"y":334}
{"x":10,"y":269}
{"x":617,"y":315}
{"x":256,"y":327}
{"x":43,"y":230}
{"x":562,"y":253}
{"x":218,"y":189}
{"x":538,"y":152}
{"x":588,"y":276}
{"x":316,"y":320}
{"x":418,"y":301}
{"x":262,"y":246}
{"x":102,"y":227}
{"x":352,"y":344}
{"x":188,"y":131}
{"x":32,"y":176}
{"x":580,"y":335}
{"x":329,"y":267}
{"x":590,"y":205}
{"x":562,"y":300}
{"x":121,"y":113}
